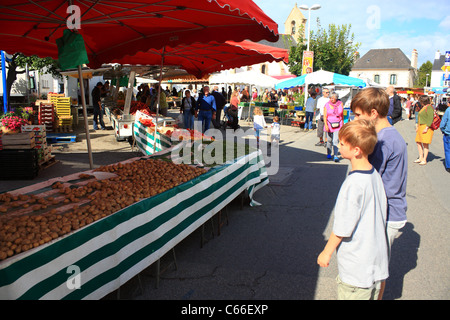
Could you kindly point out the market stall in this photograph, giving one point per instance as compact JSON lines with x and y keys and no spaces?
{"x":29,"y":24}
{"x":107,"y":248}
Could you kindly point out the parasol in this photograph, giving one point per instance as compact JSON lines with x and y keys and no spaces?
{"x":200,"y":59}
{"x":321,"y":77}
{"x":114,"y":28}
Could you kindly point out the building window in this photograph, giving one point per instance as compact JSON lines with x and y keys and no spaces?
{"x":376,"y":78}
{"x":45,"y":84}
{"x":263,"y":69}
{"x":293,"y":27}
{"x":393,"y":79}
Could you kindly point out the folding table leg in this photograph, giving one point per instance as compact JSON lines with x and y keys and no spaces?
{"x":202,"y":237}
{"x":158,"y":267}
{"x":220,"y":223}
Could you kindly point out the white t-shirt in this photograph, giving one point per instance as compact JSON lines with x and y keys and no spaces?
{"x":360,"y":218}
{"x":275,"y":128}
{"x":321,"y":104}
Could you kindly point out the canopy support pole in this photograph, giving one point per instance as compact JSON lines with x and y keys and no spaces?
{"x":159,"y":96}
{"x":86,"y":124}
{"x":126,"y":108}
{"x":5,"y":93}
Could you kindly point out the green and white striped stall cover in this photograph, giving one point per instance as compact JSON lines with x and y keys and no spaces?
{"x":112,"y":250}
{"x":145,"y":140}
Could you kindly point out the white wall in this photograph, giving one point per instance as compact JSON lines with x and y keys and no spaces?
{"x":404,"y":78}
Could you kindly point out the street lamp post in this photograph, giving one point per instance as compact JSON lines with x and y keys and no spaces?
{"x":305,"y":7}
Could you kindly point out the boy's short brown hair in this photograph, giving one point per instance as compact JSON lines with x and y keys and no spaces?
{"x":361,"y":134}
{"x":276,"y":118}
{"x":371,"y":98}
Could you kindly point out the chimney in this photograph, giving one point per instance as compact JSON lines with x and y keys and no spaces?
{"x":437,"y":56}
{"x":414,"y":59}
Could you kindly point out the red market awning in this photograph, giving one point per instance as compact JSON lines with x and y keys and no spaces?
{"x":200,"y":59}
{"x":115,"y":28}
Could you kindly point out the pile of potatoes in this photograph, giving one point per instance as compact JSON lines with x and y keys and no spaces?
{"x":95,"y":200}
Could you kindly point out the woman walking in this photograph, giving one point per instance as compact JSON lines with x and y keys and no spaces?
{"x":188,"y":105}
{"x":424,"y":134}
{"x":333,"y":118}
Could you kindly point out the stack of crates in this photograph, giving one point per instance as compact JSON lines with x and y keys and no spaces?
{"x":62,"y":104}
{"x":44,"y":151}
{"x":46,"y":115}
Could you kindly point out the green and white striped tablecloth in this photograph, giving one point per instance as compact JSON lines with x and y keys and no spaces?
{"x":112,"y":250}
{"x":145,"y":140}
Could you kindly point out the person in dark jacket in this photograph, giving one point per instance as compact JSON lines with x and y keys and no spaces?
{"x":220,"y":103}
{"x":97,"y":104}
{"x":395,"y":107}
{"x":188,"y":106}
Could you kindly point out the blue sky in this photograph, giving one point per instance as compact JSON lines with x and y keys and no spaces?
{"x":408,"y":25}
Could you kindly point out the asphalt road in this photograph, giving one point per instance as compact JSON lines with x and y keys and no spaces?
{"x":269,"y":252}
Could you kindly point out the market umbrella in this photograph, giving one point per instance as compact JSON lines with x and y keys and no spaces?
{"x":114,"y":28}
{"x":321,"y":77}
{"x":200,"y":59}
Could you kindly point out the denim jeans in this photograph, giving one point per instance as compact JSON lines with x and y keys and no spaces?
{"x":98,"y":114}
{"x":205,"y":118}
{"x":308,"y":120}
{"x":332,"y":142}
{"x":188,"y":120}
{"x":447,"y":151}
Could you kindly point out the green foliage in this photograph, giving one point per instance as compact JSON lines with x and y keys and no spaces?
{"x":18,"y":63}
{"x":47,"y":65}
{"x":334,"y":50}
{"x":421,"y":80}
{"x":299,"y":98}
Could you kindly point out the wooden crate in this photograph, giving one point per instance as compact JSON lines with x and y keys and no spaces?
{"x":18,"y":141}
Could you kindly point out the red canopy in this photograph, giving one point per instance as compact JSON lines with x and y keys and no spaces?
{"x":114,"y":28}
{"x":200,"y":59}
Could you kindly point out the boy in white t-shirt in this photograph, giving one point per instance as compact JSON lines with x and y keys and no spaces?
{"x":275,"y":132}
{"x":359,"y":230}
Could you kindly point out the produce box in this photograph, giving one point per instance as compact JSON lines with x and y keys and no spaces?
{"x":18,"y":141}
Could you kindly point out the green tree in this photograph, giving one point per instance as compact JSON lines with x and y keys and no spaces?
{"x":421,"y":80}
{"x":18,"y":63}
{"x":334,"y":49}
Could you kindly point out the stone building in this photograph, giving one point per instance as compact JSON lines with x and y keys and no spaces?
{"x":387,"y":67}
